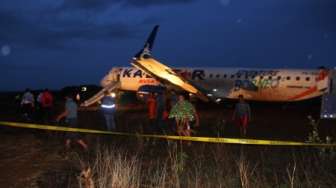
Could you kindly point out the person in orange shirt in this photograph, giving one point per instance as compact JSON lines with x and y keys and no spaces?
{"x":151,"y":107}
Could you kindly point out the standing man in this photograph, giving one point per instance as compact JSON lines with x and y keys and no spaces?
{"x":70,"y":115}
{"x":27,"y":104}
{"x":46,"y":101}
{"x":108,"y":108}
{"x":184,"y":113}
{"x":151,"y":107}
{"x":242,"y":115}
{"x":38,"y":107}
{"x":160,"y":109}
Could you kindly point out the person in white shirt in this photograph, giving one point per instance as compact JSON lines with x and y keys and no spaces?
{"x":28,"y":104}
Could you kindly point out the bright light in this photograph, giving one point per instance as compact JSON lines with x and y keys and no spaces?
{"x":143,"y":92}
{"x":325,"y":116}
{"x":209,"y":95}
{"x":331,"y":115}
{"x":84,"y":89}
{"x":108,"y":106}
{"x":218,"y":100}
{"x":5,"y":50}
{"x":113,"y":95}
{"x":215,"y":90}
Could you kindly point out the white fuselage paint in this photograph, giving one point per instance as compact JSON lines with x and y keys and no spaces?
{"x":268,"y":84}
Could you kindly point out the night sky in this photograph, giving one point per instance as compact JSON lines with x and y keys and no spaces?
{"x":56,"y":43}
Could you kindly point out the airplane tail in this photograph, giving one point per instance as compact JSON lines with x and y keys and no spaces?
{"x":145,"y":51}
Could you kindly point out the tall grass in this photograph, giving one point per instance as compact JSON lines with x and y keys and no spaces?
{"x":206,"y":165}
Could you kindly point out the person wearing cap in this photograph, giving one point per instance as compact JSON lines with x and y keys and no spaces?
{"x":108,"y":108}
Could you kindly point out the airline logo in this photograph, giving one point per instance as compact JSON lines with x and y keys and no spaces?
{"x":136,"y":73}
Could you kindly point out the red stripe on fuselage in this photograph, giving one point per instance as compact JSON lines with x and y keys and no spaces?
{"x":305,"y":93}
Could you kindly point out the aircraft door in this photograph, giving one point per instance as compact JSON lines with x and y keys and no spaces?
{"x":115,"y":74}
{"x":328,"y":107}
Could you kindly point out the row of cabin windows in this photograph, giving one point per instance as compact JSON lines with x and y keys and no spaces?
{"x":298,"y":78}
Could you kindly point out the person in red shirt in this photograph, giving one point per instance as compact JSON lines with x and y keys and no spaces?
{"x":151,"y":107}
{"x":47,"y":101}
{"x":242,"y":115}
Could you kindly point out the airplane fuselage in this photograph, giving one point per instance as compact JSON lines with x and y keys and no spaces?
{"x":253,"y":84}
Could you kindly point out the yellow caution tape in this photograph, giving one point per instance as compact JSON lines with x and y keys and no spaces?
{"x":186,"y":138}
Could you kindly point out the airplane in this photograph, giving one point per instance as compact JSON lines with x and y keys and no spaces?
{"x":215,"y":84}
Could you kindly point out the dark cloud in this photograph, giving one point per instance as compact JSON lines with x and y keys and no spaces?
{"x":88,"y":4}
{"x":56,"y":26}
{"x":4,"y":67}
{"x":55,"y":32}
{"x":146,"y":3}
{"x":98,"y":5}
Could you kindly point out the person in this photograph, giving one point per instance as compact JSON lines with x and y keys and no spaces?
{"x":242,"y":115}
{"x":173,"y":98}
{"x":46,"y":102}
{"x":108,"y":107}
{"x":18,"y":103}
{"x":70,"y":115}
{"x":184,"y":113}
{"x":171,"y":101}
{"x":159,"y":112}
{"x":151,"y":107}
{"x":38,"y":107}
{"x":27,"y":104}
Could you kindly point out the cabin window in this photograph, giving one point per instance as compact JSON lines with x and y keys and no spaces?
{"x":261,"y":77}
{"x":279,"y":77}
{"x":224,"y":76}
{"x":270,"y":77}
{"x":210,"y":75}
{"x":307,"y":78}
{"x":288,"y":78}
{"x":217,"y":76}
{"x":238,"y":76}
{"x":297,"y":78}
{"x":232,"y":76}
{"x":246,"y":77}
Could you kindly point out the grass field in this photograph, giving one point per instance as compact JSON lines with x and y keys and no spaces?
{"x":32,"y":158}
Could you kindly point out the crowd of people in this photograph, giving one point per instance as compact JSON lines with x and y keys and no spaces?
{"x":41,"y":110}
{"x":170,"y":114}
{"x":38,"y":109}
{"x":166,"y":112}
{"x":179,"y":115}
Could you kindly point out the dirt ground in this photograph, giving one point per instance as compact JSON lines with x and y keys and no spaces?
{"x":31,"y":158}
